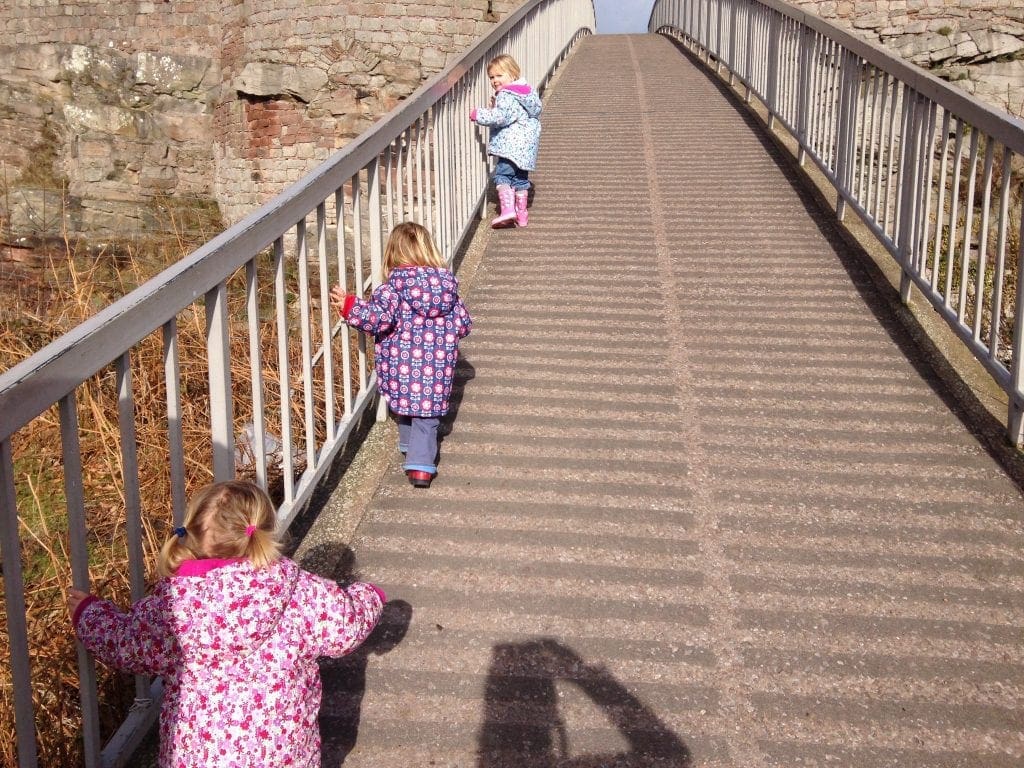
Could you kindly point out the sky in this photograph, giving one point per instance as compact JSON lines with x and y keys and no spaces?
{"x":614,"y":16}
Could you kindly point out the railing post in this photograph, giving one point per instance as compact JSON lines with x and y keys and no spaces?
{"x":376,"y":248}
{"x":748,"y":71}
{"x":803,"y":119}
{"x":1015,"y":416}
{"x":218,"y":353}
{"x":17,"y":627}
{"x":772,"y":95}
{"x":71,"y":457}
{"x":732,"y":41}
{"x":849,"y":82}
{"x":905,"y":239}
{"x":718,"y":39}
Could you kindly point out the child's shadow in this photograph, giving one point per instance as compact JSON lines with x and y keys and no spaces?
{"x":464,"y":373}
{"x":344,"y":679}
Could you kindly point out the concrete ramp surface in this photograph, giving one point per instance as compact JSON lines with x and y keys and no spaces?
{"x":702,"y":503}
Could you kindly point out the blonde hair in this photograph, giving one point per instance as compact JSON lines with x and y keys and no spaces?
{"x":410,"y":245}
{"x":505,"y":63}
{"x":231,"y":519}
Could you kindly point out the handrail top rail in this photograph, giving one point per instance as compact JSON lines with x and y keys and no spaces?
{"x":999,"y":124}
{"x":89,"y":346}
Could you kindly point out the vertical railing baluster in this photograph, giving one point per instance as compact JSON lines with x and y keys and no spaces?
{"x":771,"y":92}
{"x":880,"y":162}
{"x":441,"y":172}
{"x":910,"y":175}
{"x":78,"y":537}
{"x":284,"y":371}
{"x":732,"y":42}
{"x":1000,"y":266}
{"x":17,"y":626}
{"x":259,"y":426}
{"x":376,"y":250}
{"x":389,"y":188}
{"x":346,"y":350}
{"x":925,"y":219}
{"x":357,"y":269}
{"x":1015,"y":415}
{"x":305,"y":337}
{"x":132,"y":497}
{"x":218,"y":352}
{"x":421,"y":206}
{"x":849,"y":85}
{"x":965,"y":254}
{"x":892,"y":162}
{"x":400,"y":160}
{"x":804,"y":93}
{"x":175,"y":438}
{"x":954,"y":212}
{"x":327,"y":348}
{"x":438,"y":163}
{"x":986,"y":201}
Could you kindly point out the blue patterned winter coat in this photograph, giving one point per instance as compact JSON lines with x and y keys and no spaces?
{"x":417,"y":320}
{"x":514,"y":123}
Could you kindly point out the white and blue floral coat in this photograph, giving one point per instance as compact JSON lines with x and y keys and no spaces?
{"x":417,"y":320}
{"x":515,"y":124}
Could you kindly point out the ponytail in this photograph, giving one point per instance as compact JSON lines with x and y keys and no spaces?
{"x":262,"y":547}
{"x":180,"y":546}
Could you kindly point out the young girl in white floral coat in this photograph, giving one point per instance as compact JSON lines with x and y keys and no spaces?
{"x":235,"y":630}
{"x":514,"y":119}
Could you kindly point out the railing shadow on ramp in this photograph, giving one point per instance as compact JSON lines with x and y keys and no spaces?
{"x":928,"y":350}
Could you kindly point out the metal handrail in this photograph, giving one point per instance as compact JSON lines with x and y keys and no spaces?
{"x":424,"y":161}
{"x":931,"y":170}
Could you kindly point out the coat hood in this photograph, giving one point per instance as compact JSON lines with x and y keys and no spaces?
{"x":524,"y":93}
{"x":231,"y":610}
{"x":429,"y":291}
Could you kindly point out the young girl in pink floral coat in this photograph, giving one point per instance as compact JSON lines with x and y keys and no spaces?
{"x":235,"y":630}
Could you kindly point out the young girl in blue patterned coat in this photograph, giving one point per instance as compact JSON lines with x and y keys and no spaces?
{"x":417,"y":319}
{"x":513,"y":118}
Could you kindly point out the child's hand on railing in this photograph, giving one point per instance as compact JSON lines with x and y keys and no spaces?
{"x":75,"y":598}
{"x":342,"y":301}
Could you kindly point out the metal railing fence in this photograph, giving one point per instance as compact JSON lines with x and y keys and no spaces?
{"x":933,"y":172}
{"x":237,"y":353}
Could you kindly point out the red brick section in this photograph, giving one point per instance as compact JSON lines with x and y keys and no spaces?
{"x":702,"y":502}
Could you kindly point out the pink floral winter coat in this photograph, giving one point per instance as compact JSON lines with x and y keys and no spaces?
{"x":237,"y":648}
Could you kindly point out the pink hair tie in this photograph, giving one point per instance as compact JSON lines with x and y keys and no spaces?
{"x":250,"y":530}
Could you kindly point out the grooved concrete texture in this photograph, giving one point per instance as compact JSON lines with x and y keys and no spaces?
{"x":701,"y":504}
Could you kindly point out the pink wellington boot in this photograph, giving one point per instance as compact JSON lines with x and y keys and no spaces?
{"x":522,"y":197}
{"x":507,"y":216}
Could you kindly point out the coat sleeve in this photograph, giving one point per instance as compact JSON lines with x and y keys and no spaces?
{"x":505,"y":112}
{"x":340,"y":618}
{"x":377,"y":315}
{"x":140,"y":641}
{"x":462,"y":320}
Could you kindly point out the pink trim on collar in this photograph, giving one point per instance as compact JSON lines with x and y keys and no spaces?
{"x":203,"y":567}
{"x":521,"y":88}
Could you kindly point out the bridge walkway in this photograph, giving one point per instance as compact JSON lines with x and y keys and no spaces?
{"x":701,"y":503}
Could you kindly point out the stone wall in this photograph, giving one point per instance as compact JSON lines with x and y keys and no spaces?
{"x":976,"y":44}
{"x":124,"y":104}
